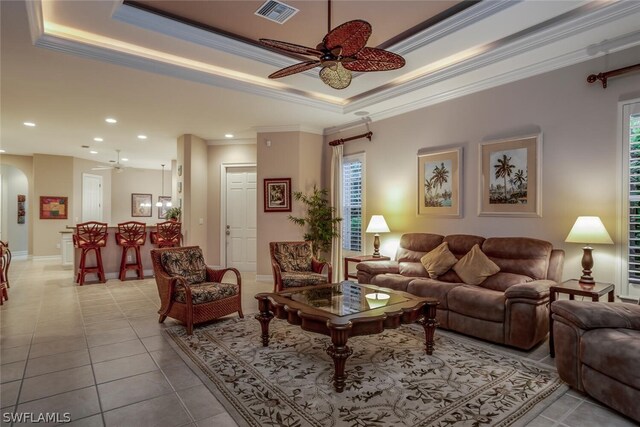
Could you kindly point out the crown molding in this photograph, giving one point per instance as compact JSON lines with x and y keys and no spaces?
{"x":35,"y":19}
{"x":239,"y":141}
{"x":288,"y":128}
{"x":572,"y":23}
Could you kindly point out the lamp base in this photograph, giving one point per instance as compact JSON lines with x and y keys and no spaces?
{"x":587,"y":265}
{"x":376,"y":245}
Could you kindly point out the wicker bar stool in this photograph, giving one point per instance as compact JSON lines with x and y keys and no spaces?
{"x":131,"y":235}
{"x":5,"y":262}
{"x":90,"y":236}
{"x":168,"y":234}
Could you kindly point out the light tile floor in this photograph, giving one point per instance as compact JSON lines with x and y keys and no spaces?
{"x":97,"y":352}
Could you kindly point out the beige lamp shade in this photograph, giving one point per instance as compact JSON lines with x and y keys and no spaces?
{"x":590,"y":230}
{"x":377,"y":224}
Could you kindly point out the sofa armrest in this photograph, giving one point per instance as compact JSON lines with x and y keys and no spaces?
{"x":592,"y":315}
{"x":536,"y":290}
{"x":378,"y":267}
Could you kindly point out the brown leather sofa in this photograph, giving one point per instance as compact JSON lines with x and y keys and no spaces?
{"x":510,"y":307}
{"x":597,"y":346}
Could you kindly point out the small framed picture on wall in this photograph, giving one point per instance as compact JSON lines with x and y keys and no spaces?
{"x":140,"y":205}
{"x":277,"y":195}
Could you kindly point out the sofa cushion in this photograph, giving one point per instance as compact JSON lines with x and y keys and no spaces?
{"x":293,"y":256}
{"x":414,"y":245}
{"x":519,"y":255}
{"x":461,"y":244}
{"x":186,"y":263}
{"x":412,"y":269}
{"x":438,"y":261}
{"x":477,"y":302}
{"x":207,"y":292}
{"x":475,"y":267}
{"x":433,"y":289}
{"x":621,"y":364}
{"x":291,"y":279}
{"x":501,"y":281}
{"x":392,"y":281}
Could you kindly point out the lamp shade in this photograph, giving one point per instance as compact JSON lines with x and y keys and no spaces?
{"x":377,"y":224}
{"x":589,"y":229}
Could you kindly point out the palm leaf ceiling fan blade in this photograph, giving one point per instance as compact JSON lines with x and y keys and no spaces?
{"x":295,"y":68}
{"x":351,"y":37}
{"x":291,"y":47}
{"x":372,"y":59}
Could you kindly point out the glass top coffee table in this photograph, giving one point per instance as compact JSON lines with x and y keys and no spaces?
{"x":347,"y":309}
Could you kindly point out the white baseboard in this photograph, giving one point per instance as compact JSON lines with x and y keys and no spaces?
{"x":148,"y":274}
{"x":47,"y":258}
{"x":22,"y":255}
{"x":264,"y":278}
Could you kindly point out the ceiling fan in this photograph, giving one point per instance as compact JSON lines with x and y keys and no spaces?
{"x":116,"y":165}
{"x":341,"y":51}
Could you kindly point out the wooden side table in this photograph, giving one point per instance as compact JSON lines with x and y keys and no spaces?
{"x":573,"y":287}
{"x":357,"y":259}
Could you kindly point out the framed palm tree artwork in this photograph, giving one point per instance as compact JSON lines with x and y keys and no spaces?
{"x":511,"y":177}
{"x":440,"y":182}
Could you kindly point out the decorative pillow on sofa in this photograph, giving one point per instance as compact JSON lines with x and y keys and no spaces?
{"x":475,"y":267}
{"x":439,"y":260}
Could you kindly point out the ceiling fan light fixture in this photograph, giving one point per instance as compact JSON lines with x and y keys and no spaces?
{"x":337,"y":77}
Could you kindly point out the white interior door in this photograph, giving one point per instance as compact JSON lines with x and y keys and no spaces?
{"x":91,"y":197}
{"x":241,"y":218}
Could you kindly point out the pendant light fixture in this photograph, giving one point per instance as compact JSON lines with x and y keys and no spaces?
{"x":160,"y":203}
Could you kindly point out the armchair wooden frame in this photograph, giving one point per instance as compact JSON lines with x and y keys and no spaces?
{"x":5,"y":262}
{"x":316,"y":266}
{"x":188,"y":313}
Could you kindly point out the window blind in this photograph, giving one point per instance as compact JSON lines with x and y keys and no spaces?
{"x":634,"y":200}
{"x":352,"y":205}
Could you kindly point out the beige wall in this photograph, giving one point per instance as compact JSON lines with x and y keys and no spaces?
{"x":80,"y":167}
{"x":295,"y":155}
{"x":133,"y":180}
{"x":25,"y":165}
{"x":217,"y":155}
{"x":52,"y":176}
{"x":192,"y":154}
{"x":580,"y":165}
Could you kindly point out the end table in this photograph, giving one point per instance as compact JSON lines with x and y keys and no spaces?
{"x":573,"y":287}
{"x":360,"y":258}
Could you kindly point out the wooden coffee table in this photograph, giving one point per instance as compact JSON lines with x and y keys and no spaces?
{"x":346,"y":310}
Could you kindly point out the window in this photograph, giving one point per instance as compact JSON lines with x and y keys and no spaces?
{"x":631,"y":141}
{"x":352,"y":191}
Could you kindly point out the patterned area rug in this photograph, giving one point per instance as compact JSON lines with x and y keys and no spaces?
{"x":391,"y":381}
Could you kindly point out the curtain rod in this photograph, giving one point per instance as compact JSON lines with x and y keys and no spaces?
{"x":341,"y":141}
{"x":614,"y":73}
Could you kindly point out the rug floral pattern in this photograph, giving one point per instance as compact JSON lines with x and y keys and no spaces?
{"x":391,"y":381}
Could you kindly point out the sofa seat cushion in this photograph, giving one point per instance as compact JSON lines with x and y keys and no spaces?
{"x":477,"y":302}
{"x":433,"y":289}
{"x":397,"y":282}
{"x":501,"y":281}
{"x":475,"y":267}
{"x":206,"y":292}
{"x":292,"y":279}
{"x":412,"y":269}
{"x":438,"y":261}
{"x":621,"y":364}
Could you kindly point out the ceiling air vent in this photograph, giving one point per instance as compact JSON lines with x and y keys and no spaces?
{"x":276,"y":11}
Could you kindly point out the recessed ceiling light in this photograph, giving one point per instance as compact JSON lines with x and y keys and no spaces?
{"x":142,"y":136}
{"x":124,"y":159}
{"x":228,"y":135}
{"x":2,"y":151}
{"x":110,"y":120}
{"x":29,"y":124}
{"x":93,"y":152}
{"x":98,"y":139}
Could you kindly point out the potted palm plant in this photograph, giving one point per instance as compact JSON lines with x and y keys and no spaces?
{"x":320,"y":220}
{"x":173,"y":214}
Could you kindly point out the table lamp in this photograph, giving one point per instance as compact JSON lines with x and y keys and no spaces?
{"x":588,"y":230}
{"x":377,"y":224}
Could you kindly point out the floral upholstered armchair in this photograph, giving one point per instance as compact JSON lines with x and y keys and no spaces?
{"x":189,"y":290}
{"x":294,"y":265}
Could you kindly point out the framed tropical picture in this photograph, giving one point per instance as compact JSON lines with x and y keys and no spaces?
{"x":140,"y":205}
{"x":277,"y":195}
{"x":511,"y":177}
{"x":440,"y":182}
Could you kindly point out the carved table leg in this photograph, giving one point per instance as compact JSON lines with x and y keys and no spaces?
{"x":429,"y":323}
{"x":264,"y":317}
{"x":339,"y":352}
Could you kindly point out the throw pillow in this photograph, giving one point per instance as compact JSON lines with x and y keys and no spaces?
{"x":439,"y":260}
{"x":475,"y":267}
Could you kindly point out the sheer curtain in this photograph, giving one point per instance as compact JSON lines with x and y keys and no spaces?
{"x":336,"y":202}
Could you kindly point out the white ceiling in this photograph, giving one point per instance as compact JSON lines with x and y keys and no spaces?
{"x":67,"y":65}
